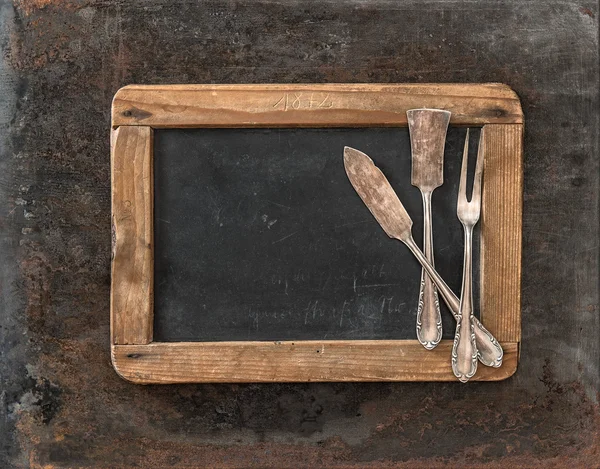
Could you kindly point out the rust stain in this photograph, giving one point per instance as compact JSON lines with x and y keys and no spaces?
{"x":70,"y":408}
{"x":32,"y":6}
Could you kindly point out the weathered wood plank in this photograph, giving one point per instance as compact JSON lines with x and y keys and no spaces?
{"x":309,"y":105}
{"x":343,"y":360}
{"x":501,"y":241}
{"x":131,"y":302}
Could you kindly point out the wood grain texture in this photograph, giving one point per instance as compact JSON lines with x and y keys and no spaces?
{"x":309,"y":105}
{"x":131,"y":303}
{"x":502,"y":207}
{"x":359,"y":105}
{"x":343,"y":360}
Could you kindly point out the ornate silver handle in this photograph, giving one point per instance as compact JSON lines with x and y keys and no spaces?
{"x":429,"y":318}
{"x":489,"y":350}
{"x":464,"y":349}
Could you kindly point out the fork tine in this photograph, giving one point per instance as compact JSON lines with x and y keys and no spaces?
{"x":476,"y":197}
{"x":462,"y":187}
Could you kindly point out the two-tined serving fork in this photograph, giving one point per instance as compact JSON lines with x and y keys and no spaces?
{"x":464,"y":349}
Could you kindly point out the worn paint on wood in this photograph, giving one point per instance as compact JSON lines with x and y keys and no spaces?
{"x":63,"y":405}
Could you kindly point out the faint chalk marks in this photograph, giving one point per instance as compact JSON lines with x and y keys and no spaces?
{"x":376,"y":285}
{"x":342,"y":313}
{"x":253,"y":316}
{"x":270,"y":223}
{"x":279,"y":205}
{"x":351,"y":224}
{"x":326,"y":281}
{"x":311,"y":310}
{"x":284,"y":238}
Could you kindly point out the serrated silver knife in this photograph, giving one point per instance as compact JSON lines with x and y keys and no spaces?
{"x":379,"y":197}
{"x":428,"y":128}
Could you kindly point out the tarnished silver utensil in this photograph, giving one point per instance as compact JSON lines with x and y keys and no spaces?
{"x":379,"y":197}
{"x":427,"y":128}
{"x":464,"y":350}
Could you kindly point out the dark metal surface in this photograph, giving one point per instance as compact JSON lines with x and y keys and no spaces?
{"x":62,"y":405}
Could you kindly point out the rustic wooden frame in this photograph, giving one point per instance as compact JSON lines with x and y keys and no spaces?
{"x":137,"y":110}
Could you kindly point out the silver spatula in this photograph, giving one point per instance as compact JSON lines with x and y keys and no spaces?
{"x":428,"y":129}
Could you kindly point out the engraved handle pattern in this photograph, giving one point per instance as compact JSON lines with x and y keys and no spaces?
{"x":429,"y":318}
{"x":490,"y":352}
{"x":464,"y":349}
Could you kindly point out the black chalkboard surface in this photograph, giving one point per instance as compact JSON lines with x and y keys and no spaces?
{"x":259,"y":235}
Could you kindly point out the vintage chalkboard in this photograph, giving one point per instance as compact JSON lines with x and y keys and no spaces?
{"x":241,"y":252}
{"x":260,"y":236}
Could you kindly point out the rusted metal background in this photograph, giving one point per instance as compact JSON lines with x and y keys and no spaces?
{"x":63,"y":406}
